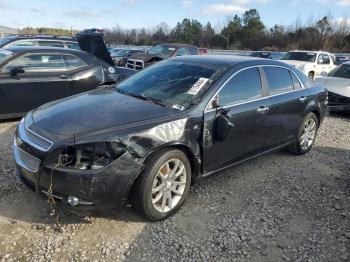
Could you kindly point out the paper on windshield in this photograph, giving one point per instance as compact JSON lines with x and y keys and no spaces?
{"x":197,"y":86}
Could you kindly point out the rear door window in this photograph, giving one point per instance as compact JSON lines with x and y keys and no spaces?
{"x":243,"y":87}
{"x":73,"y":62}
{"x":326,"y":59}
{"x":296,"y":83}
{"x":279,"y":80}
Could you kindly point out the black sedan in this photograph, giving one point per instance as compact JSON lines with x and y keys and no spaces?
{"x":146,"y":139}
{"x":32,"y":76}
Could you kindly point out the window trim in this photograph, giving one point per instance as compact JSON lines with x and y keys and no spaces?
{"x":263,"y":83}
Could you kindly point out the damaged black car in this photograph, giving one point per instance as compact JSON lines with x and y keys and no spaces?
{"x":145,"y":140}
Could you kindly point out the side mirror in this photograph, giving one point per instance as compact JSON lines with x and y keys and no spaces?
{"x":16,"y":70}
{"x":215,"y":102}
{"x":320,"y":61}
{"x":323,"y":73}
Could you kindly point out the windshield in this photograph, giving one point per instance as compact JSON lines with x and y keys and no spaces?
{"x":163,"y":50}
{"x":120,"y":52}
{"x":177,"y":84}
{"x":5,"y":55}
{"x":342,"y":71}
{"x":300,"y":56}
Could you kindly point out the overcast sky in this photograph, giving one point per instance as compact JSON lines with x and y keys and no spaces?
{"x":81,"y":14}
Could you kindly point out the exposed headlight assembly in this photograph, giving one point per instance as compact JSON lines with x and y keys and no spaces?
{"x":91,"y":156}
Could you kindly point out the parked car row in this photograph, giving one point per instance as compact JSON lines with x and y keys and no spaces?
{"x":39,"y":40}
{"x":32,"y":76}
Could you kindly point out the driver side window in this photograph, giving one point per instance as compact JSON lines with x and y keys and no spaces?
{"x":181,"y":52}
{"x":320,"y":59}
{"x":37,"y":63}
{"x":243,"y":87}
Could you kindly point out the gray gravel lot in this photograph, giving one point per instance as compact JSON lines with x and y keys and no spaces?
{"x":278,"y":207}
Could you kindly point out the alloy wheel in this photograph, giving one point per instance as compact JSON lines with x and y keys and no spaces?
{"x":308,"y":135}
{"x":169,"y":185}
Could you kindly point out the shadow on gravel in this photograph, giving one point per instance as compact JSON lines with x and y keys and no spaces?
{"x":345,"y":115}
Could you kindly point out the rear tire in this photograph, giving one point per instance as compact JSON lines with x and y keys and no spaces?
{"x":164,"y":185}
{"x":306,"y":135}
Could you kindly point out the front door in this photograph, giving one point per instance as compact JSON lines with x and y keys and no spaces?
{"x":241,"y":102}
{"x":44,"y":79}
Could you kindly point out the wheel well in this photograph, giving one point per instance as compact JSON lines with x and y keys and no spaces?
{"x":318,"y":115}
{"x":188,"y":152}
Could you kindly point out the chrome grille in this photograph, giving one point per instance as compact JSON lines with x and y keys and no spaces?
{"x":33,"y":139}
{"x":26,"y":160}
{"x":135,"y":64}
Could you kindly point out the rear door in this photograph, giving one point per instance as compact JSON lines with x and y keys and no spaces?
{"x":241,"y":98}
{"x":287,"y":102}
{"x":44,"y":79}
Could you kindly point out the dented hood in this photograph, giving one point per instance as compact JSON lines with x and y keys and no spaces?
{"x":145,"y":57}
{"x":95,"y":110}
{"x":336,"y":85}
{"x":93,"y":43}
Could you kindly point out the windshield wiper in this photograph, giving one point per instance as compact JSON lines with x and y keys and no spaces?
{"x":150,"y":99}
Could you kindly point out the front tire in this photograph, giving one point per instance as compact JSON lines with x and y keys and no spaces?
{"x":306,"y":135}
{"x":163,"y":186}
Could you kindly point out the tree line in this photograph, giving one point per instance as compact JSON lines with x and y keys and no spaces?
{"x":245,"y":32}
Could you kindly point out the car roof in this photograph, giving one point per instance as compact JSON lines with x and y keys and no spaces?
{"x":18,"y":49}
{"x":46,"y":37}
{"x":309,"y":51}
{"x":229,"y":60}
{"x":178,"y":45}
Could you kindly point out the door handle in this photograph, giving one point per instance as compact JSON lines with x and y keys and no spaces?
{"x":63,"y":76}
{"x":303,"y":99}
{"x":263,"y":109}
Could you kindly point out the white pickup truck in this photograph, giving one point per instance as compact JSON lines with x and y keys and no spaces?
{"x":311,"y":63}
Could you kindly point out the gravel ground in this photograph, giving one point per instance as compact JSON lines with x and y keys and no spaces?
{"x":278,"y":207}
